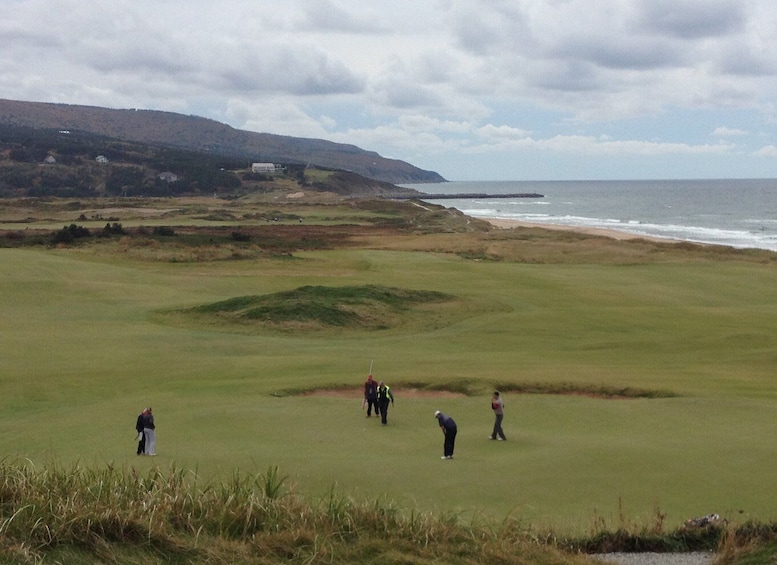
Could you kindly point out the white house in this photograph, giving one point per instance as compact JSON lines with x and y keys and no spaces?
{"x":168,"y":177}
{"x":102,"y":159}
{"x":265,"y":168}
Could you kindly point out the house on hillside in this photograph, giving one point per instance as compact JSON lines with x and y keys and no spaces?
{"x":266,"y":168}
{"x":102,"y":159}
{"x":49,"y":160}
{"x":167,"y":177}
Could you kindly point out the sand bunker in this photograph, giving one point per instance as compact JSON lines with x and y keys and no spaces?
{"x":398,"y":392}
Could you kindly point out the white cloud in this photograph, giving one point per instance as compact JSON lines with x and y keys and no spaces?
{"x":728,"y":132}
{"x":450,"y":78}
{"x":588,"y":145}
{"x":420,"y":123}
{"x":501,"y":133}
{"x":767,"y":151}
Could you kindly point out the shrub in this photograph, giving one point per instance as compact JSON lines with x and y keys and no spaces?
{"x":164,"y":231}
{"x":113,"y":229}
{"x":70,"y":233}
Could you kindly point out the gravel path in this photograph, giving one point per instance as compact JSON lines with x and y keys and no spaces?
{"x":694,"y":558}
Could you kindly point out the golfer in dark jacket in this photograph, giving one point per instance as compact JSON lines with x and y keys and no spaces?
{"x":384,"y":397}
{"x":371,"y":396}
{"x":448,"y":427}
{"x":141,"y":435}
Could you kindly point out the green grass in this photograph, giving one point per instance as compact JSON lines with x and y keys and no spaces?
{"x":83,"y":352}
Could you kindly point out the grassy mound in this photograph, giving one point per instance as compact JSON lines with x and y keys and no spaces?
{"x":311,"y":308}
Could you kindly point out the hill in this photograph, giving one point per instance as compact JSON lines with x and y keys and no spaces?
{"x":72,"y":163}
{"x":204,"y":135}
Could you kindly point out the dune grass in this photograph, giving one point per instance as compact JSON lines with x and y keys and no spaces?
{"x":77,"y":515}
{"x":85,"y":349}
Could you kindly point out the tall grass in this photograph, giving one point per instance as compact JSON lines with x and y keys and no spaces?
{"x":168,"y":515}
{"x":77,"y":514}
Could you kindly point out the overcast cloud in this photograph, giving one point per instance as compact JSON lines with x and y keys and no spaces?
{"x":474,"y":89}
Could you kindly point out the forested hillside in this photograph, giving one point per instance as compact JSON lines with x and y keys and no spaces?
{"x":72,"y":163}
{"x":202,"y":135}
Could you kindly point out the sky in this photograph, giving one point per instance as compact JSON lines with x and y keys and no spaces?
{"x":472,"y":89}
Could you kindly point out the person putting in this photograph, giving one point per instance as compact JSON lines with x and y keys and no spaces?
{"x":449,"y":430}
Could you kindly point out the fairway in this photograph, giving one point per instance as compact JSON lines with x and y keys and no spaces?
{"x":86,"y":346}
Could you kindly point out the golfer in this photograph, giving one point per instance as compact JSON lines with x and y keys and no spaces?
{"x":448,"y":427}
{"x":384,"y":397}
{"x":141,"y":435}
{"x":498,"y":406}
{"x":371,"y":396}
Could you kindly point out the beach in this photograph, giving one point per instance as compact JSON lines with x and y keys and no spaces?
{"x":736,"y":213}
{"x":603,"y":232}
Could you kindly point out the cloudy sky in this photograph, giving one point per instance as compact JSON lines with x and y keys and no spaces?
{"x":473,"y":89}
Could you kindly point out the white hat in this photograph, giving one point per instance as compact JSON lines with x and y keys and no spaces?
{"x":437,"y":413}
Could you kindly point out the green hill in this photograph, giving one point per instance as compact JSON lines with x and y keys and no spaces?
{"x":79,"y":164}
{"x":198,"y":134}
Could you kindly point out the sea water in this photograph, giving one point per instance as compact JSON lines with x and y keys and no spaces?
{"x":739,"y":213}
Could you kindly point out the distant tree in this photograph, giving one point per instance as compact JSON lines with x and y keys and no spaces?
{"x":113,"y":229}
{"x":125,"y":181}
{"x":70,"y":233}
{"x":20,"y":155}
{"x":164,"y":231}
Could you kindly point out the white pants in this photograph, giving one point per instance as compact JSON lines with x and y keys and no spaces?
{"x":150,"y":441}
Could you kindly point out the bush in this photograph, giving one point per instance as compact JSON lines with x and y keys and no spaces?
{"x":70,"y":233}
{"x":113,"y":229}
{"x":164,"y":231}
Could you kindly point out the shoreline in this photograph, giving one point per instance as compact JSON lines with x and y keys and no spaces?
{"x":602,"y":232}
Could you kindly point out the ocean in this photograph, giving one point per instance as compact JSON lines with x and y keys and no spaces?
{"x":739,"y":213}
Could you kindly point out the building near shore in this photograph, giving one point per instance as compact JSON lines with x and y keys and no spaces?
{"x":266,"y":168}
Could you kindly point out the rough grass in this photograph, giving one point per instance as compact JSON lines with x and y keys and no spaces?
{"x":79,"y":515}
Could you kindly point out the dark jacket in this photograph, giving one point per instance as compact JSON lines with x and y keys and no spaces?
{"x":370,"y":389}
{"x":384,"y":395}
{"x":148,"y":421}
{"x":446,"y":422}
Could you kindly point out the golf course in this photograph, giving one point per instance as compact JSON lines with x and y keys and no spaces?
{"x":638,"y":376}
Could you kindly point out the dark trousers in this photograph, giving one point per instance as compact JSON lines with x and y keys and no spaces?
{"x":383,"y":411}
{"x":450,"y":441}
{"x":498,"y":427}
{"x":372,"y":402}
{"x":142,"y":444}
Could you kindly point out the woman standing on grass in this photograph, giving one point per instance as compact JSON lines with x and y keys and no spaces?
{"x":149,"y":432}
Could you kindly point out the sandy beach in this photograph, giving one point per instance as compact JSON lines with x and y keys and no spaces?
{"x":614,"y":234}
